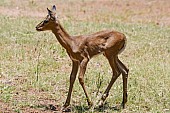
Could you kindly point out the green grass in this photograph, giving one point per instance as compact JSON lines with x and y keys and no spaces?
{"x":146,"y":55}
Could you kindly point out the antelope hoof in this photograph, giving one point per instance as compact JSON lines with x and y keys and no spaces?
{"x":123,"y":105}
{"x":101,"y":103}
{"x":66,"y":109}
{"x":90,"y":104}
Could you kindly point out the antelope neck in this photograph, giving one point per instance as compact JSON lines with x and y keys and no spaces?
{"x":63,"y":37}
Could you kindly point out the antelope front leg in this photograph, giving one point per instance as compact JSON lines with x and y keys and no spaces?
{"x":83,"y":66}
{"x":72,"y":80}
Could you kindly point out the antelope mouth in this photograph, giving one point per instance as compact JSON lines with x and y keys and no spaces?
{"x":38,"y":28}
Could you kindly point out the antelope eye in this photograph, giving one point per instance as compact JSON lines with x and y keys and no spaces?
{"x":45,"y":21}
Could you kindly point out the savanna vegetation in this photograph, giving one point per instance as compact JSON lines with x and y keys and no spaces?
{"x":34,"y":68}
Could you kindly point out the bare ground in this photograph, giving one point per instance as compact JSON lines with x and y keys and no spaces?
{"x":156,"y":11}
{"x":133,"y":11}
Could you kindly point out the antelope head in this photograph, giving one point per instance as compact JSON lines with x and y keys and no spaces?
{"x":49,"y":22}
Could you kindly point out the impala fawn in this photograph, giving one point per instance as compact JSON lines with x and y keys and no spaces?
{"x":82,"y":48}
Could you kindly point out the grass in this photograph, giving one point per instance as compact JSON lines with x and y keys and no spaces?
{"x":26,"y":54}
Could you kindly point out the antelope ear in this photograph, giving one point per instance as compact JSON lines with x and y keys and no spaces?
{"x":52,"y":12}
{"x":54,"y":8}
{"x":49,"y":11}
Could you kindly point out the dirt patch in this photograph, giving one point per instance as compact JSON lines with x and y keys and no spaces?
{"x":15,"y":12}
{"x":134,"y":11}
{"x":4,"y":107}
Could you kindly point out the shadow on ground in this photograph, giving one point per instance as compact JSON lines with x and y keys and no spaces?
{"x":105,"y":108}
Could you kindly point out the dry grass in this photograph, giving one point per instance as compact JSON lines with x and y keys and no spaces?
{"x":26,"y":53}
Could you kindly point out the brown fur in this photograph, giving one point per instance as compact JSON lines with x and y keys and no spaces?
{"x":82,"y":48}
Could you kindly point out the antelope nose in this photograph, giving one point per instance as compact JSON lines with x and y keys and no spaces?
{"x":37,"y":28}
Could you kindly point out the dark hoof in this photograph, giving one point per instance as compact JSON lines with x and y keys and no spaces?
{"x":90,"y":104}
{"x":66,"y":109}
{"x":54,"y":108}
{"x":123,"y":106}
{"x":101,"y":104}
